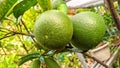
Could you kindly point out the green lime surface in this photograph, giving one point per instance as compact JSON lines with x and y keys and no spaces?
{"x":53,"y":29}
{"x":88,"y":30}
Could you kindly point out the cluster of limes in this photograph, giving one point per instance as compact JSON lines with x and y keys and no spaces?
{"x":54,"y":30}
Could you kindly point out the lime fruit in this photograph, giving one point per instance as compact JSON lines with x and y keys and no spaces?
{"x":53,"y":29}
{"x":88,"y":30}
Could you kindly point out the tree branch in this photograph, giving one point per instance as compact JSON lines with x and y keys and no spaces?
{"x":22,"y":33}
{"x":23,"y":45}
{"x":24,"y":26}
{"x":13,"y":32}
{"x":7,"y":36}
{"x":114,"y":15}
{"x":16,"y":54}
{"x":3,"y":50}
{"x":28,"y":31}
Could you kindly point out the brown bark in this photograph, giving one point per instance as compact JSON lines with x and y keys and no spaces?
{"x":114,"y":15}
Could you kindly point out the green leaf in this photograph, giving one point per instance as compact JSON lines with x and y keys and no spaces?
{"x":45,"y":4}
{"x":24,"y":5}
{"x":5,"y":6}
{"x":57,"y":3}
{"x":28,"y":57}
{"x":63,"y":8}
{"x":35,"y":64}
{"x":39,"y":47}
{"x":60,"y":5}
{"x":51,"y":63}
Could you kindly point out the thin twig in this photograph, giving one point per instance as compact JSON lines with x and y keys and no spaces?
{"x":27,"y":29}
{"x":30,"y":48}
{"x":23,"y":45}
{"x":6,"y":36}
{"x":28,"y":32}
{"x":57,"y":51}
{"x":22,"y":33}
{"x":25,"y":26}
{"x":15,"y":32}
{"x":16,"y":54}
{"x":3,"y":50}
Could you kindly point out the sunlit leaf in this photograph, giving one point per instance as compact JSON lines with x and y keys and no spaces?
{"x":24,"y":5}
{"x":28,"y":57}
{"x":51,"y":63}
{"x":29,"y":18}
{"x":5,"y":6}
{"x":45,"y":4}
{"x":57,"y":3}
{"x":63,"y":8}
{"x":35,"y":64}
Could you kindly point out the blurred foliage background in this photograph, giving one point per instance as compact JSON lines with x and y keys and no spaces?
{"x":16,"y":38}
